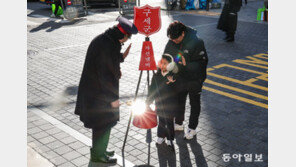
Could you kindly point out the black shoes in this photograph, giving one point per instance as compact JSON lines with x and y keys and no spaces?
{"x":230,"y":39}
{"x":106,"y":158}
{"x":110,"y":153}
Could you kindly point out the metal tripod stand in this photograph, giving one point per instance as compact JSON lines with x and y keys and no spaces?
{"x":149,"y":135}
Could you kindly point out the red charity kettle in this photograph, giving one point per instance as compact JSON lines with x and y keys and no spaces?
{"x":146,"y":120}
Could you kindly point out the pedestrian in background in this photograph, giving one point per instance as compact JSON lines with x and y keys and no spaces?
{"x":163,"y":91}
{"x":190,"y":54}
{"x":228,"y":18}
{"x":266,"y":4}
{"x":57,"y":3}
{"x":98,"y":92}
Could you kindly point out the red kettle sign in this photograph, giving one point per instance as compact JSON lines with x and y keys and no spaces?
{"x":147,"y":19}
{"x":147,"y":57}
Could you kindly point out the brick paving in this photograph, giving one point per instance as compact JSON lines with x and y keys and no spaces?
{"x":55,"y":59}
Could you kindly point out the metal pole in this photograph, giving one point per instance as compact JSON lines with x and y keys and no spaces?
{"x":148,"y":140}
{"x":119,"y":7}
{"x":149,"y":136}
{"x":130,"y":118}
{"x":85,"y":7}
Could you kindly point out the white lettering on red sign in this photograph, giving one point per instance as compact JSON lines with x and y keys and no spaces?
{"x":147,"y":20}
{"x":147,"y":28}
{"x":147,"y":53}
{"x":147,"y":12}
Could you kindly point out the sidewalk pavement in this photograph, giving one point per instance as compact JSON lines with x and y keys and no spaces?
{"x":36,"y":160}
{"x":230,"y":123}
{"x":247,"y":13}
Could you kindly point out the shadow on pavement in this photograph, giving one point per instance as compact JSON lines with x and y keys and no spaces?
{"x":73,"y":90}
{"x":52,"y":25}
{"x":61,"y":100}
{"x":166,"y":157}
{"x":196,"y":149}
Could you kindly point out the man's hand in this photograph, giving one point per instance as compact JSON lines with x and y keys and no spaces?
{"x":127,"y":51}
{"x":183,"y":61}
{"x":115,"y":104}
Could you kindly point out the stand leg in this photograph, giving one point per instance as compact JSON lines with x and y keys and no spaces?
{"x":149,"y":136}
{"x":136,"y":95}
{"x":148,"y":140}
{"x":130,"y":118}
{"x":85,"y":7}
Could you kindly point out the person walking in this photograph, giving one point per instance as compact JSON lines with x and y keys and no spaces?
{"x":191,"y":56}
{"x":228,"y":18}
{"x":57,"y":3}
{"x":98,"y":91}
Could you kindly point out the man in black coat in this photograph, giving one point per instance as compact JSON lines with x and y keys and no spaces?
{"x":228,"y":18}
{"x":98,"y":92}
{"x":189,"y":52}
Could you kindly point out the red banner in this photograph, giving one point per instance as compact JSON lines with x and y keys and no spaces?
{"x":147,"y":19}
{"x":147,"y":58}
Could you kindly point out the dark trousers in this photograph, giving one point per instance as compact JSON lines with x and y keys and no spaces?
{"x":228,"y":21}
{"x":100,"y":139}
{"x":166,"y":128}
{"x":232,"y":24}
{"x":194,"y":97}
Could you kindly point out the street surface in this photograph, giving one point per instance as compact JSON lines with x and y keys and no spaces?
{"x":234,"y":115}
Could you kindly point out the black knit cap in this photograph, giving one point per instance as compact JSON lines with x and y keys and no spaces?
{"x":127,"y":25}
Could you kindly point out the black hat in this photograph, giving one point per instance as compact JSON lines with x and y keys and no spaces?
{"x":126,"y":27}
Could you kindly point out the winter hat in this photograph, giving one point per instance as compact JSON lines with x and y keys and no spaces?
{"x":126,"y":26}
